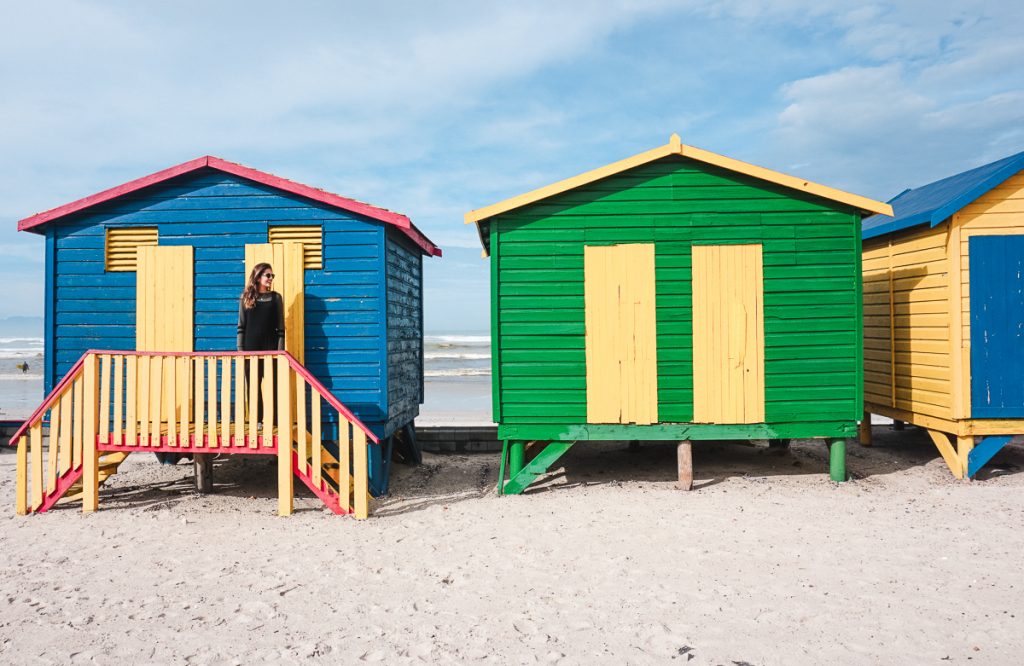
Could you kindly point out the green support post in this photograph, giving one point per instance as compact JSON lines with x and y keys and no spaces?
{"x":837,"y":459}
{"x":517,"y":456}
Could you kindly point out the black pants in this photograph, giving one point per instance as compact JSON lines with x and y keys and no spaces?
{"x":260,"y":364}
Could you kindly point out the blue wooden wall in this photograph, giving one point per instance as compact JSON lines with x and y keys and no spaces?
{"x":218,"y":214}
{"x":405,"y":330}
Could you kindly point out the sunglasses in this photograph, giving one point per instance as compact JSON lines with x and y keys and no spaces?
{"x":268,"y":275}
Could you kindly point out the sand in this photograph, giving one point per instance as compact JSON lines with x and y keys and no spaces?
{"x":765,"y":562}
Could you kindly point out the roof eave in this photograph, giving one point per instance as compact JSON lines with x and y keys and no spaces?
{"x":864,"y":205}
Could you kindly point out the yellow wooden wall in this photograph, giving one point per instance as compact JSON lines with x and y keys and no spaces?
{"x":621,"y":334}
{"x":289,"y":280}
{"x":1000,"y":211}
{"x":728,"y":334}
{"x":907,"y":326}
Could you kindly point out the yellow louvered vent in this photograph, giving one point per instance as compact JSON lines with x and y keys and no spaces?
{"x":311,"y":238}
{"x":122,"y":244}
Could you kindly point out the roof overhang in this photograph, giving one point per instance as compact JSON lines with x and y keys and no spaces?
{"x":35,"y":222}
{"x":865,"y":205}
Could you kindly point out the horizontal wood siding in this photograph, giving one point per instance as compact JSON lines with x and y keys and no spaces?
{"x":907,"y":346}
{"x":405,"y":326}
{"x":218,"y":214}
{"x":811,"y":279}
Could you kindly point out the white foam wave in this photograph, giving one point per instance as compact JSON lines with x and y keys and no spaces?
{"x":461,"y":372}
{"x":455,"y":356}
{"x":34,"y":342}
{"x":457,"y":339}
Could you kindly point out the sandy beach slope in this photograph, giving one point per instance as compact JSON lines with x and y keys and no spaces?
{"x":766,"y":562}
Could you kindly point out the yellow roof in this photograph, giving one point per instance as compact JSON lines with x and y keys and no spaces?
{"x":675,"y":147}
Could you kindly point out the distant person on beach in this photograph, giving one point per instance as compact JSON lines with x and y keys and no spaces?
{"x":23,"y":367}
{"x":260,"y":321}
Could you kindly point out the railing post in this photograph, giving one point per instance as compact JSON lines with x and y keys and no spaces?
{"x":360,"y":469}
{"x":90,"y":456}
{"x":285,"y":490}
{"x":21,"y":482}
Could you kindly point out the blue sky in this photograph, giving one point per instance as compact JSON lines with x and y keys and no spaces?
{"x":433,"y":109}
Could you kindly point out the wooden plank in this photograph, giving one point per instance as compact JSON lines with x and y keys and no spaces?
{"x":211,"y":401}
{"x":941,"y":440}
{"x":90,"y":454}
{"x":170,"y":364}
{"x":117,"y":428}
{"x":345,"y":462}
{"x":684,"y":456}
{"x":239,"y":401}
{"x":65,"y":433}
{"x":52,"y":453}
{"x":360,"y":489}
{"x":225,"y":401}
{"x":300,"y":423}
{"x":199,"y":399}
{"x":315,"y":440}
{"x":143,"y":387}
{"x":131,"y":400}
{"x":183,"y":367}
{"x":78,"y":433}
{"x":254,"y":387}
{"x":156,"y":393}
{"x":21,"y":478}
{"x":35,"y":436}
{"x":104,"y":399}
{"x":285,"y":490}
{"x":269,"y":408}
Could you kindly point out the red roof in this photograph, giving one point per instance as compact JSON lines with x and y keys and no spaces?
{"x":351,"y":205}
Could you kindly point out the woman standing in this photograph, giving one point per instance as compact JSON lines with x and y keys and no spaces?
{"x":260,"y":321}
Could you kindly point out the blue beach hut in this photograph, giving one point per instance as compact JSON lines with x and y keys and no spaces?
{"x":944,"y":312}
{"x":158,"y":264}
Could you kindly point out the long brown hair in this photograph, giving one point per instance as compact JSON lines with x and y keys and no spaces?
{"x":252,"y":287}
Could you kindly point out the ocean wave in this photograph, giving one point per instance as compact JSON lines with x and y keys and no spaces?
{"x":469,"y":356}
{"x":458,"y":372}
{"x":449,"y":340}
{"x":35,"y":342}
{"x":20,"y":376}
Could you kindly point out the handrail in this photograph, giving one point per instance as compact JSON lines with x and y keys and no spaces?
{"x":292,"y":362}
{"x":50,"y":398}
{"x":125,"y":401}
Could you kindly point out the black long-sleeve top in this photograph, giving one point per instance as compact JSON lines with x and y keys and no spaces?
{"x":261,"y":327}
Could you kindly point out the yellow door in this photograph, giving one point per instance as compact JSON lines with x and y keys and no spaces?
{"x":621,"y":334}
{"x":163,"y":298}
{"x":728,"y":334}
{"x":163,"y":323}
{"x":289,"y":280}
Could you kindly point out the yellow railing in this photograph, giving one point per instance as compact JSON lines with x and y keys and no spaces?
{"x":195,"y":402}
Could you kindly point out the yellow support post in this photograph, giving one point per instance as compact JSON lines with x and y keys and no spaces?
{"x":225,"y":401}
{"x":35,"y":434}
{"x":131,"y":399}
{"x":211,"y":402}
{"x":21,"y":480}
{"x":52,"y":449}
{"x":285,"y":491}
{"x":344,"y":464}
{"x":254,"y":396}
{"x":941,"y":440}
{"x":361,"y":472}
{"x":90,"y":456}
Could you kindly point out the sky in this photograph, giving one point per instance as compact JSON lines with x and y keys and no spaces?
{"x":436,"y":108}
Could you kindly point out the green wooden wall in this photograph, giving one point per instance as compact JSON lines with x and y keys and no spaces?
{"x":811,"y":250}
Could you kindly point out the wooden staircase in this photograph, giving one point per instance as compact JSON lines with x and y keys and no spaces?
{"x":114,"y":403}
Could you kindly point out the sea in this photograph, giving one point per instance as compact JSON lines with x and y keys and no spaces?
{"x":457,"y":378}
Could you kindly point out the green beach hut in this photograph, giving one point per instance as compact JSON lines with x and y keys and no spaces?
{"x":674,"y":295}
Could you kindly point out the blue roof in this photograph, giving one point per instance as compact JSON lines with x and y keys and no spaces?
{"x":935,"y":202}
